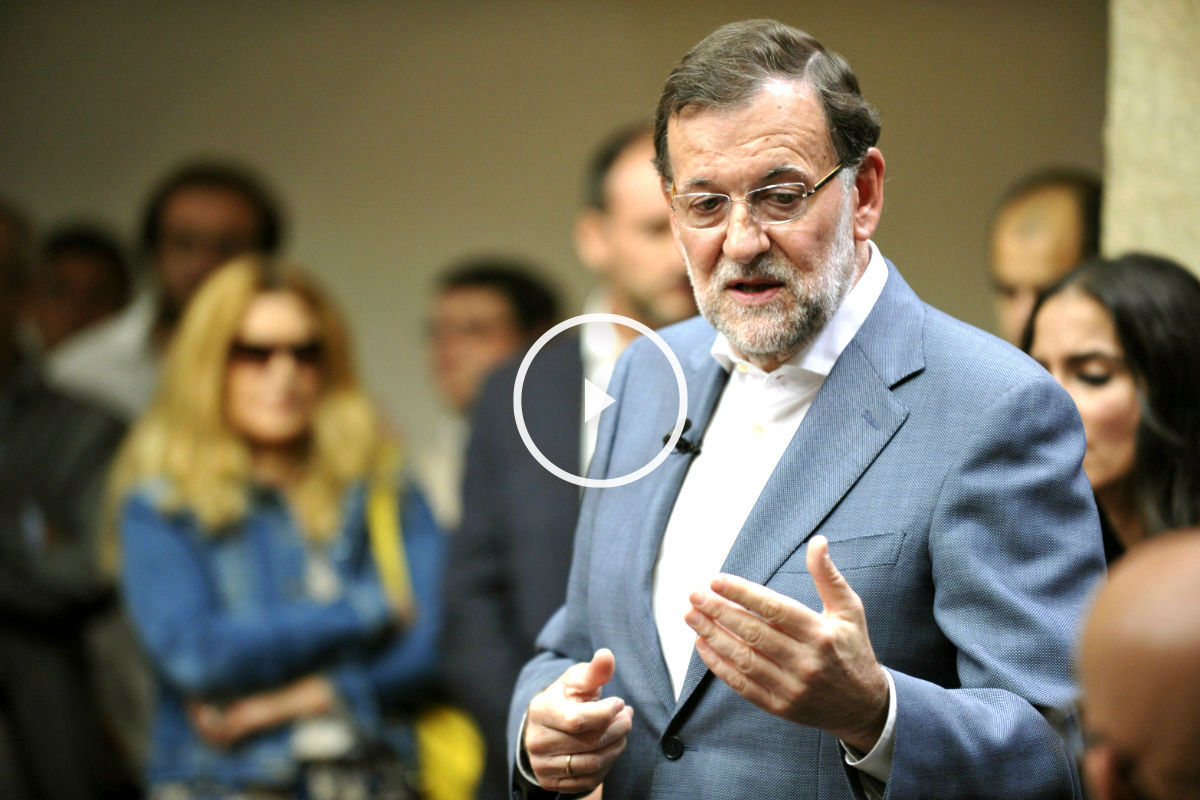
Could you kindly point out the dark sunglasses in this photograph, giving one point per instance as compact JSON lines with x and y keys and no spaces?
{"x":304,"y":353}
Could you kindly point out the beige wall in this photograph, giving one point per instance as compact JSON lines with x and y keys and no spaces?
{"x":378,"y":120}
{"x":1152,"y":198}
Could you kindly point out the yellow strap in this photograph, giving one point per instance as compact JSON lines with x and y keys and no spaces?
{"x":387,"y":538}
{"x":450,"y":747}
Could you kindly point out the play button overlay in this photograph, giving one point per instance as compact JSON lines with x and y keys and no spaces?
{"x":596,"y":400}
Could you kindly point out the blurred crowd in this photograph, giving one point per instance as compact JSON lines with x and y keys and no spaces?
{"x":223,"y":573}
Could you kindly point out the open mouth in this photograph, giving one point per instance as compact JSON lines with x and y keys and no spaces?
{"x":754,"y":290}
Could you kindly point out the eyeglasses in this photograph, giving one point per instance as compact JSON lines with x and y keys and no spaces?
{"x":305,"y":354}
{"x":769,"y":205}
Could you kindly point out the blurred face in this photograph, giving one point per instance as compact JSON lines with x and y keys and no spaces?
{"x":634,"y":249}
{"x":1075,"y":340}
{"x":472,"y":330}
{"x":273,"y":381}
{"x":768,"y":288}
{"x":77,"y":290}
{"x":1035,"y":241}
{"x":202,"y":227}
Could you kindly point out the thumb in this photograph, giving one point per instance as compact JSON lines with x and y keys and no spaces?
{"x":835,"y":592}
{"x":584,"y":680}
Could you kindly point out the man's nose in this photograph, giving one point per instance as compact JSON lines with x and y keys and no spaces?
{"x":745,"y":237}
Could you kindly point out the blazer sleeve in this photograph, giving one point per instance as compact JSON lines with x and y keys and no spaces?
{"x":1015,"y":552}
{"x":203,"y":647}
{"x":565,"y":639}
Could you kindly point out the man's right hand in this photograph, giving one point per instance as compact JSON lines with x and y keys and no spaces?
{"x":572,"y":736}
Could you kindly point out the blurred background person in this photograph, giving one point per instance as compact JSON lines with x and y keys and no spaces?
{"x":1043,"y":225}
{"x":485,"y":310}
{"x":246,"y":555}
{"x":509,"y":562}
{"x":198,"y":217}
{"x":81,"y":277}
{"x":1138,"y":662}
{"x":1123,"y":338}
{"x":54,"y":452}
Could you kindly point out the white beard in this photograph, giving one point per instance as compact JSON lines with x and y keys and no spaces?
{"x":804,"y":306}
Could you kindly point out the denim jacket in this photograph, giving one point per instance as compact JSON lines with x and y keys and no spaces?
{"x":227,"y":615}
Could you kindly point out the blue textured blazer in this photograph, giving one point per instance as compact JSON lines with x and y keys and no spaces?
{"x":944,"y":468}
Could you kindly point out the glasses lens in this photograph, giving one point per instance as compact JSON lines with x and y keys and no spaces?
{"x":701,"y":210}
{"x":250,"y":353}
{"x":308,"y":354}
{"x":782,"y":203}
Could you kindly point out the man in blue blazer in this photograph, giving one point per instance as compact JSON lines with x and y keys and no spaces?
{"x":863,"y":575}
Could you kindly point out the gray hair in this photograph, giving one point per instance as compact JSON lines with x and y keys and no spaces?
{"x":733,"y":62}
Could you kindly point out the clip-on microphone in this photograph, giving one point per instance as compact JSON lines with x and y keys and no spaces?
{"x":685,"y":446}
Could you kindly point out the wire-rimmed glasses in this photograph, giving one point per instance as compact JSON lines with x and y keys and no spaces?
{"x":769,"y":205}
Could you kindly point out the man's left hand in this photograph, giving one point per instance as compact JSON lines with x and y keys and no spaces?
{"x":810,"y":668}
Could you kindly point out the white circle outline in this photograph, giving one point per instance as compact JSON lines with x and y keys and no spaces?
{"x":578,"y":480}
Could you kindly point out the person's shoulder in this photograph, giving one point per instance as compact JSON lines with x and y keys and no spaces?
{"x":150,"y":496}
{"x":684,"y":338}
{"x":561,"y":356}
{"x":975,"y":357}
{"x":68,"y":424}
{"x":127,"y":330}
{"x":957,"y":355}
{"x":77,"y":411}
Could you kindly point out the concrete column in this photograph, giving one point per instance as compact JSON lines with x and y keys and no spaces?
{"x":1152,"y":132}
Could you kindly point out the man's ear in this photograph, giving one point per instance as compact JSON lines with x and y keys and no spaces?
{"x":591,"y":240}
{"x":1103,"y":774}
{"x":868,"y":187}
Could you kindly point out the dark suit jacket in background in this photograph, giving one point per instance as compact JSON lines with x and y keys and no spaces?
{"x":54,"y":454}
{"x":944,"y":467}
{"x":509,"y":561}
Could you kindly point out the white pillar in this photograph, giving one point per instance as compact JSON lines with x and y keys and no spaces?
{"x":1152,"y":132}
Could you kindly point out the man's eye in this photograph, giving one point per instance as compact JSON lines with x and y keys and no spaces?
{"x":782,"y":198}
{"x":707,"y":204}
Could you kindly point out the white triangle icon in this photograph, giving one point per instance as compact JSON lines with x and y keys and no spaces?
{"x":595,"y":400}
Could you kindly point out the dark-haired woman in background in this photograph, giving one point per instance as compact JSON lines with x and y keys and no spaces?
{"x":1123,"y":338}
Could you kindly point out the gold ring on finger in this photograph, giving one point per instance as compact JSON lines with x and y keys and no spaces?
{"x":569,"y":773}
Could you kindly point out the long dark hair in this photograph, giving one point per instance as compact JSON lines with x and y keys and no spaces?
{"x":1155,"y":306}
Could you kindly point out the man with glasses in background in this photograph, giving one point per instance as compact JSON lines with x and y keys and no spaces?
{"x":200,"y":216}
{"x":855,"y":458}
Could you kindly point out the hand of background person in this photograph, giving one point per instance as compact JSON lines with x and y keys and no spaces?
{"x":817,"y":669}
{"x":223,"y":727}
{"x":572,"y":736}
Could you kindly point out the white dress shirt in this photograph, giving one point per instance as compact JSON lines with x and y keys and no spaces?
{"x":752,"y":425}
{"x":114,"y":362}
{"x":600,"y":345}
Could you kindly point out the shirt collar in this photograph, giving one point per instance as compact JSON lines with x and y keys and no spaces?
{"x":822,"y":352}
{"x":600,"y":343}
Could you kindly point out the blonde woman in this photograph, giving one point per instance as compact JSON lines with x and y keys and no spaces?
{"x":245,"y":552}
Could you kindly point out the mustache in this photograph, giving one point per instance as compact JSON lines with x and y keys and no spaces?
{"x":765,"y":266}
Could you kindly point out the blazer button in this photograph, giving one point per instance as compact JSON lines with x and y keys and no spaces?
{"x":672,"y":748}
